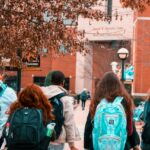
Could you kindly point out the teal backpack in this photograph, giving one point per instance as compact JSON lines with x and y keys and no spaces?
{"x":109,"y":132}
{"x":138,"y":112}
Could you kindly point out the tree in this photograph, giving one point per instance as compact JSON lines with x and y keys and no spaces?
{"x":29,"y":25}
{"x":139,"y":5}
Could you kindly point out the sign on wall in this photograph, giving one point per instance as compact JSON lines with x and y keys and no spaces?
{"x":31,"y":58}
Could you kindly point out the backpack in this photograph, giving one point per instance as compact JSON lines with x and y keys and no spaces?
{"x":83,"y":96}
{"x":138,"y":112}
{"x":109,"y":132}
{"x":25,"y":130}
{"x":58,"y":113}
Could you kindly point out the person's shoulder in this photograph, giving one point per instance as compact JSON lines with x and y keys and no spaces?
{"x":10,"y":94}
{"x":67,"y":98}
{"x":9,"y":90}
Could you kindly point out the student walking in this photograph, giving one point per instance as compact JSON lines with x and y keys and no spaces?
{"x":7,"y":97}
{"x":146,"y":128}
{"x":66,"y":131}
{"x":109,"y":124}
{"x":26,"y":128}
{"x":83,"y":97}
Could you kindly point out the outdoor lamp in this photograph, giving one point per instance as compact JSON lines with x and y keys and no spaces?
{"x":123,"y":54}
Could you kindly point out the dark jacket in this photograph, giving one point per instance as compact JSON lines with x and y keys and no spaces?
{"x":84,"y":96}
{"x":146,"y":128}
{"x":132,"y":140}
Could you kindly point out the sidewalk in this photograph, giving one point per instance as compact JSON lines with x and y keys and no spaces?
{"x":80,"y":119}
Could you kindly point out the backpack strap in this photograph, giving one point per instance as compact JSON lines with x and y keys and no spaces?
{"x":3,"y":88}
{"x":118,"y":99}
{"x":59,"y":96}
{"x":104,"y":101}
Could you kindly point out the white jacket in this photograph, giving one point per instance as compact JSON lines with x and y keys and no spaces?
{"x":6,"y":99}
{"x":69,"y":133}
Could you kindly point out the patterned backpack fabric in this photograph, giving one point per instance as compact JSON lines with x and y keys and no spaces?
{"x":109,"y":132}
{"x":138,"y":112}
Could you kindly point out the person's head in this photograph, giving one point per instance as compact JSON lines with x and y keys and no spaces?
{"x":55,"y":78}
{"x":85,"y":89}
{"x":33,"y":97}
{"x":110,"y":87}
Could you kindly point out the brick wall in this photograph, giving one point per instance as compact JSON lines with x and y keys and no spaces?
{"x":103,"y":55}
{"x":142,"y":53}
{"x":66,"y":64}
{"x":29,"y":73}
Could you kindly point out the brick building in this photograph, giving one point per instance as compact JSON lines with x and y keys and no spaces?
{"x":141,"y":52}
{"x":47,"y":63}
{"x":105,"y":40}
{"x":83,"y":71}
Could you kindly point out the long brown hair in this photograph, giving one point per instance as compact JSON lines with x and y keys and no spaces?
{"x":110,"y":87}
{"x":33,"y":97}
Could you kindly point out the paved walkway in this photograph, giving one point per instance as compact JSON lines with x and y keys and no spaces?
{"x":80,"y":118}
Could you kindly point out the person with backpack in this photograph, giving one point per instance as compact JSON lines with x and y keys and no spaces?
{"x":7,"y":97}
{"x":83,"y":97}
{"x":146,"y":128}
{"x":66,"y":131}
{"x":110,"y":121}
{"x":26,"y":127}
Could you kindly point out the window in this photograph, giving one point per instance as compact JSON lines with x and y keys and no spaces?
{"x":39,"y":80}
{"x":67,"y":84}
{"x":109,"y":8}
{"x":11,"y":81}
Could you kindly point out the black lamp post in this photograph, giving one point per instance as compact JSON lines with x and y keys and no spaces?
{"x":19,"y":54}
{"x":123,"y":54}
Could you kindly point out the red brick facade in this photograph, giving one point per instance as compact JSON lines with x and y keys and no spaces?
{"x":103,"y":55}
{"x":29,"y":73}
{"x":66,"y":64}
{"x":141,"y":52}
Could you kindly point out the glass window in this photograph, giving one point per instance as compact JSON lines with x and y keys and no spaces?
{"x":39,"y":80}
{"x":67,"y":84}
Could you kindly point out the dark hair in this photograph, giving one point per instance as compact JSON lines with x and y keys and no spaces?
{"x":57,"y":78}
{"x":33,"y":97}
{"x":110,"y":87}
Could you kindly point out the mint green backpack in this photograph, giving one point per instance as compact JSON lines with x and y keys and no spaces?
{"x":109,"y":132}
